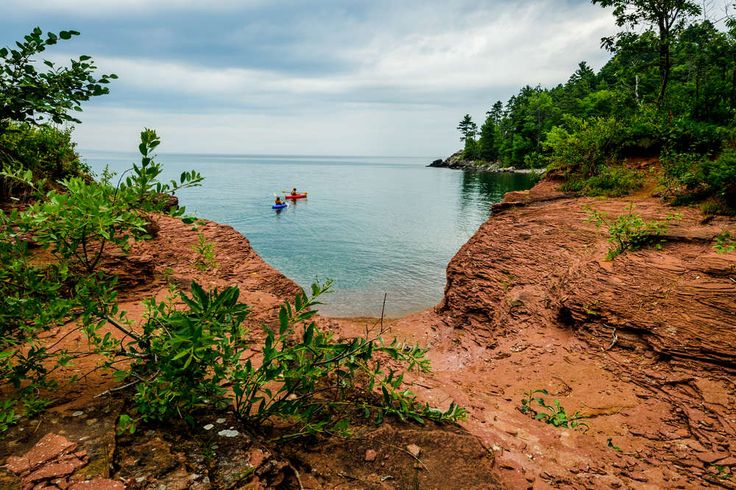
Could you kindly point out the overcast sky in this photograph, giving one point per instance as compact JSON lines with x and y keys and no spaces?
{"x":317,"y":77}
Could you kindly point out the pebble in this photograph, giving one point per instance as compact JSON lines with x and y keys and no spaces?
{"x":228,"y":433}
{"x":414,"y":450}
{"x":370,"y":455}
{"x":78,"y":413}
{"x":220,"y":421}
{"x":208,"y":427}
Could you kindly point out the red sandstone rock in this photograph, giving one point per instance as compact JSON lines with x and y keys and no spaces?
{"x":98,"y":484}
{"x":51,"y":446}
{"x":53,"y":470}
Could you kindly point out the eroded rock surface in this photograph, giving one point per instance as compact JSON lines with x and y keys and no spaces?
{"x":643,"y":345}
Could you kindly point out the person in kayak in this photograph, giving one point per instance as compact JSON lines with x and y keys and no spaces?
{"x":293,"y":192}
{"x":278,"y":201}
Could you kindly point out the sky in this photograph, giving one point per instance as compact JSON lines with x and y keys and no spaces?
{"x":309,"y":77}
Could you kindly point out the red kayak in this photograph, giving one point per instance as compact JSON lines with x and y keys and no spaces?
{"x":296,"y":196}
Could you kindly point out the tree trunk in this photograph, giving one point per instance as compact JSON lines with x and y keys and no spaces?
{"x":664,"y":64}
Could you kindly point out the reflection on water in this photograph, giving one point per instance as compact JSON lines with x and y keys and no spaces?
{"x":374,"y":225}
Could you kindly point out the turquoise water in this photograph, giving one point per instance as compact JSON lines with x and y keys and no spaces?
{"x":373,"y":225}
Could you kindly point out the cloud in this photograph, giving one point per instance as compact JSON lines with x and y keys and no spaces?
{"x":379,"y":74}
{"x":103,"y":8}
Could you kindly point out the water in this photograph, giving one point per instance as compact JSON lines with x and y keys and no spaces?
{"x":373,"y":225}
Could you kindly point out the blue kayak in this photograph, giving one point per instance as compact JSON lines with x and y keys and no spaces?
{"x":279,"y":206}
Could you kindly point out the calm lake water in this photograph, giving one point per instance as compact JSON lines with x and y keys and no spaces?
{"x":373,"y":225}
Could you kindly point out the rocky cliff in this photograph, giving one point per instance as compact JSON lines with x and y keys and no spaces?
{"x":644,"y":345}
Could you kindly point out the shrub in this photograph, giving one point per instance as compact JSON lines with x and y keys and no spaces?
{"x":183,"y":356}
{"x":693,"y":177}
{"x":75,"y":226}
{"x":206,"y":256}
{"x":308,"y":380}
{"x":644,"y":132}
{"x":322,"y":382}
{"x":688,"y":135}
{"x":613,"y":181}
{"x":630,"y":231}
{"x":45,"y":151}
{"x":582,"y":148}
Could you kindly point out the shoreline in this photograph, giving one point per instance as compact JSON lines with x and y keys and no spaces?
{"x":529,"y":303}
{"x":457,"y":162}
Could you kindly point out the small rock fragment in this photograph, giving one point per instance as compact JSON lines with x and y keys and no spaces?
{"x":370,"y":455}
{"x":51,"y":446}
{"x":711,"y":457}
{"x":208,"y":427}
{"x":228,"y":433}
{"x":414,"y":450}
{"x":50,"y":471}
{"x":98,"y":484}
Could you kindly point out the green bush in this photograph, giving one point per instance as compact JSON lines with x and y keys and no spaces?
{"x":644,"y":132}
{"x":702,"y":138}
{"x":308,"y":380}
{"x":582,"y":148}
{"x":691,"y":177}
{"x":630,"y":231}
{"x":184,"y":356}
{"x":46,"y":151}
{"x":613,"y":182}
{"x":75,"y":225}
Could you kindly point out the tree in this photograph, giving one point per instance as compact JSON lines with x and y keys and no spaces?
{"x":467,"y":128}
{"x":496,"y":112}
{"x":667,"y":15}
{"x":487,"y":147}
{"x":28,"y":94}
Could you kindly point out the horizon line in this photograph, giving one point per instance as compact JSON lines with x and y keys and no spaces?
{"x":260,"y":155}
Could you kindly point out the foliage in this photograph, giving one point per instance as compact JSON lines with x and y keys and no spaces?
{"x":184,"y":356}
{"x":317,"y":382}
{"x":611,"y":181}
{"x":630,"y":231}
{"x":206,"y":256}
{"x":305,"y":378}
{"x":78,"y":222}
{"x":691,"y":175}
{"x":725,"y":242}
{"x":33,"y":96}
{"x":45,"y":151}
{"x":668,"y":89}
{"x":60,"y":281}
{"x":551,"y":414}
{"x":581,"y":147}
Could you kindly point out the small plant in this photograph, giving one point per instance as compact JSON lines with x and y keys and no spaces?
{"x":185,"y":356}
{"x":126,"y":424}
{"x":725,"y":242}
{"x":612,"y":445}
{"x":720,"y":472}
{"x":630,"y":231}
{"x":551,"y":414}
{"x":206,"y":257}
{"x":8,"y":416}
